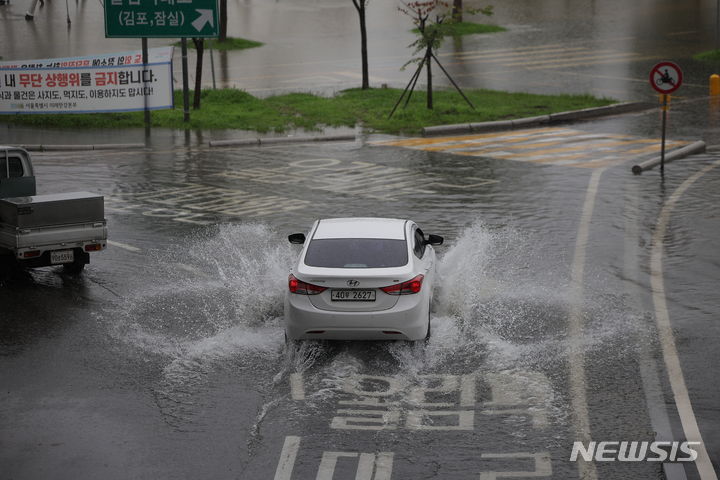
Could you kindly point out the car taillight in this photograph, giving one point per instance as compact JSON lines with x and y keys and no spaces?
{"x":405,"y":288}
{"x":302,"y":288}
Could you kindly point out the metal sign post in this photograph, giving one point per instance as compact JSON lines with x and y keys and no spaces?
{"x":144,"y":79}
{"x":665,"y":78}
{"x":664,"y":129}
{"x":174,"y":19}
{"x":186,"y":92}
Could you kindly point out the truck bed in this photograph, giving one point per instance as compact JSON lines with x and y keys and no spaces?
{"x":73,"y":235}
{"x":52,"y":210}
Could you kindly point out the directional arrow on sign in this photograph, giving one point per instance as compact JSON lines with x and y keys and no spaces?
{"x":206,"y":16}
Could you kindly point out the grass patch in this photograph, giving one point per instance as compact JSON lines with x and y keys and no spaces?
{"x":456,"y":29}
{"x":236,"y":109}
{"x":709,"y":56}
{"x":230,"y":43}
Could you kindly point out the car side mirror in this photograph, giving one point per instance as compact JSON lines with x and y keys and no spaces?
{"x":434,"y":240}
{"x":298,"y":238}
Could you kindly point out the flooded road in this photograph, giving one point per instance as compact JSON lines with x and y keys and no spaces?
{"x":604,"y":48}
{"x":166,"y":358}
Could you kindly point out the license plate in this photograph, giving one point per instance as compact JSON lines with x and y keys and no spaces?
{"x":62,"y":256}
{"x":352,"y":295}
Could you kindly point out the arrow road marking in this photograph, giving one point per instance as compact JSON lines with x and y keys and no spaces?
{"x":206,"y":16}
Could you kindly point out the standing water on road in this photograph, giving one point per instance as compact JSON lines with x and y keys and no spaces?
{"x":214,"y":308}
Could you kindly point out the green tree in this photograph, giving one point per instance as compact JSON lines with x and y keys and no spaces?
{"x":428,"y":17}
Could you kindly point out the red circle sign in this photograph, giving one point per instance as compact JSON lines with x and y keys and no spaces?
{"x":666,"y":77}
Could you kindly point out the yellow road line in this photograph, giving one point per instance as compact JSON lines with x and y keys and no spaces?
{"x":537,"y":53}
{"x":600,"y":163}
{"x":585,"y":146}
{"x":655,"y":147}
{"x":569,"y":58}
{"x":524,"y":142}
{"x":500,"y":50}
{"x":598,"y":62}
{"x":410,"y":142}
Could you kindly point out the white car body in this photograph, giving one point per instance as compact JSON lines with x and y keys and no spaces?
{"x":370,"y":298}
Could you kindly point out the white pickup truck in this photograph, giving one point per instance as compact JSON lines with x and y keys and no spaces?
{"x":43,"y":230}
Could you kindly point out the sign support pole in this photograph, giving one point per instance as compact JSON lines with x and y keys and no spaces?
{"x":664,"y":124}
{"x":144,"y":82}
{"x":212,"y":63}
{"x":186,"y":92}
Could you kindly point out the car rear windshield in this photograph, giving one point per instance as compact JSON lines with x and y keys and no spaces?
{"x":357,"y":253}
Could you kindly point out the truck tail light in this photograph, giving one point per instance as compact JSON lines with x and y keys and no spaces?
{"x":31,"y":254}
{"x":302,"y":288}
{"x":406,"y":288}
{"x":93,"y":247}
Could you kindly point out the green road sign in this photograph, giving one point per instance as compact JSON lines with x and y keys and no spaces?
{"x":161,"y":18}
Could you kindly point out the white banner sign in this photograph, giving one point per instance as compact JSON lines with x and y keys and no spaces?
{"x":107,"y":83}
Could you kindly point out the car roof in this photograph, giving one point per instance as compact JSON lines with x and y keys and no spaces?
{"x":390,"y":228}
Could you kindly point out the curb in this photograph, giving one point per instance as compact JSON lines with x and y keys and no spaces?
{"x":254,"y":142}
{"x":695,"y":147}
{"x":59,"y":148}
{"x":561,"y":117}
{"x":216,"y":143}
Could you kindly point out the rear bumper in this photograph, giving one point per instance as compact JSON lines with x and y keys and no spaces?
{"x":81,"y":257}
{"x":407,"y":320}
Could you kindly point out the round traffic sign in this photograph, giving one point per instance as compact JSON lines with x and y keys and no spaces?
{"x":666,"y":77}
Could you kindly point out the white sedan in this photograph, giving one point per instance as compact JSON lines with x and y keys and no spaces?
{"x":361,"y":279}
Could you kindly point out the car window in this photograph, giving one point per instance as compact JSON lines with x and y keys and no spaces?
{"x":356,"y":253}
{"x":16,"y":167}
{"x":419,"y":243}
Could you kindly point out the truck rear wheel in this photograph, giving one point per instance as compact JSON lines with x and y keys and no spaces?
{"x":73,"y":268}
{"x":78,"y":265}
{"x":8,"y":265}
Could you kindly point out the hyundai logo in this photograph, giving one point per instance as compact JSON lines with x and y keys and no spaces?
{"x":353,"y":283}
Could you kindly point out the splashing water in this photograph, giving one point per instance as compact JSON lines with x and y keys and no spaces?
{"x":217,"y":300}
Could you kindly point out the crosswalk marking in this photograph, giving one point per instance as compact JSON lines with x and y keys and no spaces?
{"x":584,"y":57}
{"x":546,"y":146}
{"x":543,"y":56}
{"x":508,"y":54}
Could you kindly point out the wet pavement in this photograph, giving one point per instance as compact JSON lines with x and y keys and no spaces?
{"x":166,"y":358}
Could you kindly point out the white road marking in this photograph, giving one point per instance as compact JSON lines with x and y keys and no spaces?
{"x":287,"y":458}
{"x":191,"y":269}
{"x":543,"y":466}
{"x":657,"y":411}
{"x":576,"y":359}
{"x":329,"y":461}
{"x":381,"y":463}
{"x":422,"y":420}
{"x":366,"y":420}
{"x":667,"y":339}
{"x":297,"y":386}
{"x":124,"y":246}
{"x":539,"y":417}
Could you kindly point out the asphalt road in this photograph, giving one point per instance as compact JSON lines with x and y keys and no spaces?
{"x":166,"y":359}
